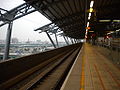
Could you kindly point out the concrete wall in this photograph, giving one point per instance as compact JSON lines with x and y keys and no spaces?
{"x":14,"y":67}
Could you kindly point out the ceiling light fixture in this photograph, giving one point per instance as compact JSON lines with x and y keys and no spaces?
{"x":116,"y":20}
{"x":91,"y":31}
{"x":88,"y":23}
{"x":91,"y":4}
{"x":104,"y":20}
{"x":89,"y":16}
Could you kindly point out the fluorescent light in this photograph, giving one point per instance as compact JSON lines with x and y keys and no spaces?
{"x":91,"y":4}
{"x":86,"y":30}
{"x":89,"y":14}
{"x":91,"y":31}
{"x":117,"y":30}
{"x":88,"y":24}
{"x":88,"y":18}
{"x":110,"y":32}
{"x":116,"y":20}
{"x":104,"y":20}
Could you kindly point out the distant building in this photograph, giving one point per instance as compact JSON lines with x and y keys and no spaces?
{"x":28,"y":41}
{"x":2,"y":41}
{"x":14,"y":40}
{"x":38,"y":41}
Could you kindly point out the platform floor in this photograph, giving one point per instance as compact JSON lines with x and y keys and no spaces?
{"x":92,"y":71}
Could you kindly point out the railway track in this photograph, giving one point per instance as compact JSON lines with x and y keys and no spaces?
{"x":54,"y":79}
{"x":48,"y":75}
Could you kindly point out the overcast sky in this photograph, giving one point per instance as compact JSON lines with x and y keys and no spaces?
{"x":23,"y":28}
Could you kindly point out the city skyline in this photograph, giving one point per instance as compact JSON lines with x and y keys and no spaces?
{"x":16,"y":40}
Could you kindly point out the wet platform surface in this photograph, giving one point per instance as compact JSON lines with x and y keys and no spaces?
{"x":92,"y":71}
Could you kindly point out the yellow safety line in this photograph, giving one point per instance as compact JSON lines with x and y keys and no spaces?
{"x":82,"y":84}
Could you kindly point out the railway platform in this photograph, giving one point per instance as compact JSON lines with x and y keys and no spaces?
{"x":92,"y":71}
{"x":75,"y":67}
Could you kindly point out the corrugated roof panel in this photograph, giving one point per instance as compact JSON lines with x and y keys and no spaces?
{"x":70,"y":14}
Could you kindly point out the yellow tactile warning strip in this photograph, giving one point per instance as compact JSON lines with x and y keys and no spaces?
{"x":82,"y":81}
{"x":93,"y":71}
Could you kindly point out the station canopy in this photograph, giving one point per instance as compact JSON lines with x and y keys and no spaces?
{"x":71,"y":16}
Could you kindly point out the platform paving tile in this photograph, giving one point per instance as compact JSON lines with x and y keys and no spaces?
{"x":96,"y":72}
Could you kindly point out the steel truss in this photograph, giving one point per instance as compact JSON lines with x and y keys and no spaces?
{"x":7,"y":17}
{"x":50,"y":29}
{"x":16,"y":13}
{"x":53,"y":29}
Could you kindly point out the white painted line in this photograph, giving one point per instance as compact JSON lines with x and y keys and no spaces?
{"x":64,"y":84}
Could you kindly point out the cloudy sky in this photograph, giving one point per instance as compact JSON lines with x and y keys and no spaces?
{"x":23,"y":27}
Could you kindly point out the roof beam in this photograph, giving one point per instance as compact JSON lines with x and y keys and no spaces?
{"x":18,"y":12}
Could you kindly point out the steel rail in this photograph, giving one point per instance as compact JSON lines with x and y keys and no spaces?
{"x":24,"y":79}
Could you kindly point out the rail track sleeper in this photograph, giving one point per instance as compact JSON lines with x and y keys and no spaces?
{"x":60,"y":74}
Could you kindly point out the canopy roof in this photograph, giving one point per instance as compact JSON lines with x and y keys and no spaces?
{"x":71,"y":15}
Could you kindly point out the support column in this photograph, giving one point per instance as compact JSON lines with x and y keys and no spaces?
{"x":50,"y":39}
{"x":71,"y":41}
{"x":65,"y":40}
{"x":56,"y":40}
{"x":8,"y":38}
{"x":77,"y":40}
{"x":74,"y":40}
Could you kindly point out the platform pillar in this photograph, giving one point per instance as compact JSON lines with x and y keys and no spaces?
{"x":8,"y":39}
{"x":50,"y":39}
{"x":65,"y":40}
{"x":56,"y":40}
